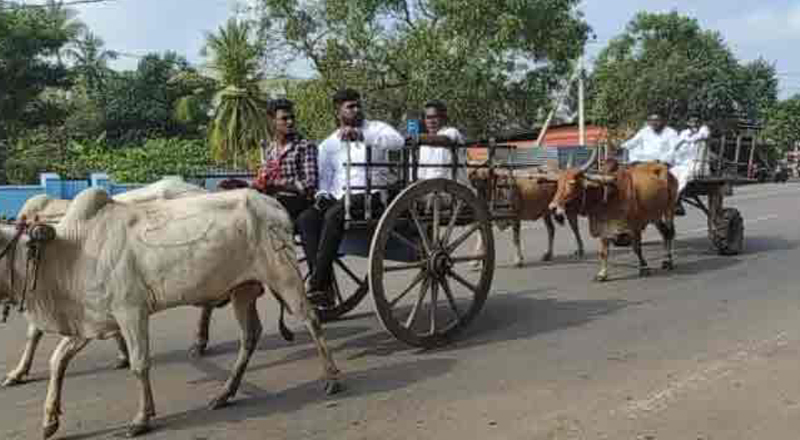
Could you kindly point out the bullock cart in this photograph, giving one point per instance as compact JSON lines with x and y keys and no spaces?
{"x":714,"y":180}
{"x":414,"y":260}
{"x":725,"y":224}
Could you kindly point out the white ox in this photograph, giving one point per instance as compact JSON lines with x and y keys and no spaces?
{"x":108,"y":266}
{"x":51,"y":210}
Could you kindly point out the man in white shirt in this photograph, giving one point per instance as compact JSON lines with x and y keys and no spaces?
{"x":690,"y":155}
{"x":435,"y":145}
{"x":656,"y":141}
{"x":322,"y":226}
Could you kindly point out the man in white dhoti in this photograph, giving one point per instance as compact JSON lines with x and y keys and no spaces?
{"x":690,"y":155}
{"x":656,"y":141}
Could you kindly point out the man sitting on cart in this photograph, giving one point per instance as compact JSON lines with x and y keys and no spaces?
{"x":288,"y":169}
{"x":655,"y":142}
{"x":435,"y":144}
{"x":322,"y":226}
{"x":690,"y":155}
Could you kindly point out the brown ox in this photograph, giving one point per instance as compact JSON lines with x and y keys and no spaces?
{"x":620,"y":205}
{"x":530,"y":195}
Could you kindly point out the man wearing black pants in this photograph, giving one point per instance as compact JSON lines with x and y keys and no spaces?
{"x":322,"y":226}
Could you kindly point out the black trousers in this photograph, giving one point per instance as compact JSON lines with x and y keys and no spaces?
{"x":294,"y":204}
{"x":322,"y":233}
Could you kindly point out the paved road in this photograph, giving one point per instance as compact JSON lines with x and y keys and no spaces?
{"x":709,"y":351}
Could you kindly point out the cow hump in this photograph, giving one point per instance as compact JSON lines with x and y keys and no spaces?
{"x":86,"y":205}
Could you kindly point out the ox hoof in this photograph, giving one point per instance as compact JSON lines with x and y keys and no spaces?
{"x":219,"y":402}
{"x":578,"y":255}
{"x":197,"y":350}
{"x":50,"y":429}
{"x":644,"y":271}
{"x":668,"y":265}
{"x":11,"y":381}
{"x":122,"y":364}
{"x":547,"y":257}
{"x":137,"y":429}
{"x":601,"y":278}
{"x":333,"y":387}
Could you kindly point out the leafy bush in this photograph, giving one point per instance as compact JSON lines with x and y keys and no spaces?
{"x":143,"y":164}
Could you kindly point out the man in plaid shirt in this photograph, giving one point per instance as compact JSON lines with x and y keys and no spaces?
{"x":288,"y":169}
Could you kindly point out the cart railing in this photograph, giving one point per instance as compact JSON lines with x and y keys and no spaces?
{"x":404,"y":162}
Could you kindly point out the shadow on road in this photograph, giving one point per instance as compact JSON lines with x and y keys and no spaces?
{"x":519,"y":315}
{"x":262,"y":404}
{"x":505,"y":317}
{"x":692,"y":256}
{"x":231,"y":347}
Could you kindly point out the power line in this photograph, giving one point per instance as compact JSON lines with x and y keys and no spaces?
{"x":18,"y":6}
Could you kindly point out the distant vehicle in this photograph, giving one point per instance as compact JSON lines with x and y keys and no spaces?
{"x":781,"y":175}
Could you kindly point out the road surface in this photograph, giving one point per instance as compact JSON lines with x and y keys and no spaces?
{"x":709,"y":351}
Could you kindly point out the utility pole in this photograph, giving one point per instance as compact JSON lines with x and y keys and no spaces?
{"x":581,"y":110}
{"x":559,"y":101}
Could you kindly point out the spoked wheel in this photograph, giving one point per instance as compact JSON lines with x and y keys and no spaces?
{"x":727,"y":233}
{"x":348,"y":289}
{"x":428,"y":300}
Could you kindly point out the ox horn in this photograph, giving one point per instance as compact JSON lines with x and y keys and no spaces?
{"x":600,"y":178}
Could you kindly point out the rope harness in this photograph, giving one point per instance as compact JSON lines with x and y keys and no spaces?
{"x":39,"y":234}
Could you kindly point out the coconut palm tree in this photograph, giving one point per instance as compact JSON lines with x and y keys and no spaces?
{"x":65,"y":20}
{"x":91,"y":60}
{"x":239,"y":121}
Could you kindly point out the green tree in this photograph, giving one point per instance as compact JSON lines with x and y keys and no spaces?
{"x":313,"y":108}
{"x":194,"y":108}
{"x":65,"y":20}
{"x":27,"y":38}
{"x":91,"y":62}
{"x":757,"y":89}
{"x":783,"y":124}
{"x":140,"y":104}
{"x":668,"y":63}
{"x":239,"y":122}
{"x":495,"y":63}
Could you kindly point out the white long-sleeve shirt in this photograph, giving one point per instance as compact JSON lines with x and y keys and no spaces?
{"x":648,"y":145}
{"x":429,"y":155}
{"x":692,"y":143}
{"x":332,"y":160}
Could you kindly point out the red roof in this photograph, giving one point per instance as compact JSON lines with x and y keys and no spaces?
{"x":558,"y":136}
{"x":569,"y":135}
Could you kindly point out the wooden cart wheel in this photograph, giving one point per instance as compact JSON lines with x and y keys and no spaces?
{"x":728,"y":232}
{"x":349,"y":289}
{"x":725,"y":225}
{"x":429,"y":300}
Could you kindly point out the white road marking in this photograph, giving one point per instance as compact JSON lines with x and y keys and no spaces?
{"x":712,"y":371}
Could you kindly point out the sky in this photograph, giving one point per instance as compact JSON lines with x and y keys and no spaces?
{"x":766,"y":28}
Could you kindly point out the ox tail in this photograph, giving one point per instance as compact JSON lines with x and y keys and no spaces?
{"x":287,"y":334}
